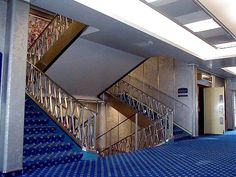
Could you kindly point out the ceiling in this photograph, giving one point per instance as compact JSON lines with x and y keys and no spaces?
{"x":224,"y":11}
{"x":119,"y":35}
{"x":87,"y":68}
{"x":189,"y":12}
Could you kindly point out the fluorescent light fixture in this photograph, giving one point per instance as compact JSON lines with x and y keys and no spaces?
{"x":224,"y":11}
{"x":226,"y":45}
{"x":202,"y":25}
{"x":150,"y":1}
{"x":231,"y":70}
{"x":157,"y":25}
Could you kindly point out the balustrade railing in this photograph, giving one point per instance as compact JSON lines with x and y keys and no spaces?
{"x":48,"y":37}
{"x":159,"y":131}
{"x":143,"y":103}
{"x":67,"y":111}
{"x":150,"y":136}
{"x":181,"y":111}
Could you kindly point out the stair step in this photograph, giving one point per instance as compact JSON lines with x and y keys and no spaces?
{"x":43,"y":138}
{"x":176,"y":132}
{"x":29,"y":107}
{"x":43,"y":148}
{"x":38,"y":121}
{"x":180,"y":134}
{"x":39,"y":129}
{"x":32,"y":114}
{"x":51,"y":159}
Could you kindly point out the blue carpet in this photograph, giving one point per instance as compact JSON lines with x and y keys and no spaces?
{"x":45,"y":144}
{"x":210,"y":156}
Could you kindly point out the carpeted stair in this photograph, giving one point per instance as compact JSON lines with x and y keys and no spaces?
{"x":45,"y":144}
{"x":180,"y":134}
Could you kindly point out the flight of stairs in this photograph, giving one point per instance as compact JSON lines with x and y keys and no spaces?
{"x":180,"y":134}
{"x":45,"y":144}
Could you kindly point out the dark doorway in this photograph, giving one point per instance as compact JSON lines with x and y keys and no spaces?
{"x":201,"y":109}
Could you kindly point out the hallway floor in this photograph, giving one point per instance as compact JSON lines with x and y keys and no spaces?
{"x":207,"y":156}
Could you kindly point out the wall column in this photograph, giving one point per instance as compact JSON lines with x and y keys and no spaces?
{"x":229,"y":108}
{"x":101,"y":122}
{"x":13,"y":83}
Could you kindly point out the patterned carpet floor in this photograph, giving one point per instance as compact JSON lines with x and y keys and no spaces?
{"x":209,"y":156}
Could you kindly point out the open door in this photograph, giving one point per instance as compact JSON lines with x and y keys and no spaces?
{"x":214,"y":111}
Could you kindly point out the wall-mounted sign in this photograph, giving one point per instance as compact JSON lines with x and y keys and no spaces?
{"x":182,"y":92}
{"x":221,"y":120}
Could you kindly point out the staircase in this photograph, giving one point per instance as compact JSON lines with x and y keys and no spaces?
{"x":74,"y":118}
{"x":154,"y":118}
{"x":57,"y":126}
{"x":180,"y":134}
{"x":45,"y":144}
{"x":59,"y":34}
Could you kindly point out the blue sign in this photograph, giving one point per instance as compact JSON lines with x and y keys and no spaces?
{"x":182,"y":92}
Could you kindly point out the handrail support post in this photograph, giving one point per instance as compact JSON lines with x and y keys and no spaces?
{"x":136,"y":132}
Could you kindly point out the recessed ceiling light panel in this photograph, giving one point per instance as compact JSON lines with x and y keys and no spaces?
{"x":157,"y":25}
{"x":231,"y":70}
{"x":202,"y":25}
{"x":150,"y":1}
{"x":226,"y":45}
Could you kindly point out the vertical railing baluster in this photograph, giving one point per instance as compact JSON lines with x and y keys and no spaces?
{"x":81,"y":124}
{"x":60,"y":105}
{"x":94,"y":129}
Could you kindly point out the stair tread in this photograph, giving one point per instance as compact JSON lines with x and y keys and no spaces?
{"x":51,"y":158}
{"x":42,"y":138}
{"x":180,"y":134}
{"x":43,"y":148}
{"x":43,"y":134}
{"x":40,"y":126}
{"x":44,"y":145}
{"x":36,"y":129}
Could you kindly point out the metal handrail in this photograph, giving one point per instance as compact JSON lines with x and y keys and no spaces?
{"x":156,"y":90}
{"x":60,"y":87}
{"x":39,"y":36}
{"x":115,"y":127}
{"x":48,"y":37}
{"x":180,"y":109}
{"x":170,"y":109}
{"x":122,"y":87}
{"x":161,"y":117}
{"x":149,"y":136}
{"x":68,"y":112}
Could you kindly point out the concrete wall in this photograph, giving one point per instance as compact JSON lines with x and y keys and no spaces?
{"x":113,"y":117}
{"x":13,"y":44}
{"x":3,"y":11}
{"x":167,"y":75}
{"x":230,"y":88}
{"x":108,"y":118}
{"x":218,"y":82}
